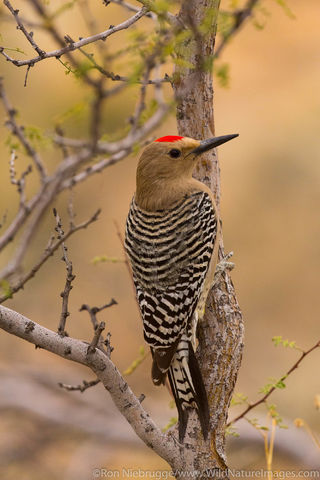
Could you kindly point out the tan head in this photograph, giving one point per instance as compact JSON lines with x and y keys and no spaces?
{"x":165,"y":169}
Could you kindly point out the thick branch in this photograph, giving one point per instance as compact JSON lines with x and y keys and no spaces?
{"x":76,"y":350}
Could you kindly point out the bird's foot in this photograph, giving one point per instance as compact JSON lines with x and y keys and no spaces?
{"x":222,"y":267}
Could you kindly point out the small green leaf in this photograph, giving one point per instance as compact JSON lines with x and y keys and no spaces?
{"x":173,"y":421}
{"x":6,"y":288}
{"x":280,"y":384}
{"x":136,"y":362}
{"x":104,"y":258}
{"x":223,"y":74}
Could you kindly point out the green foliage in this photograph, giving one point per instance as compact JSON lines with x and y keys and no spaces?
{"x":225,"y":23}
{"x":67,"y":67}
{"x":255,"y":423}
{"x":173,"y":421}
{"x":12,"y":143}
{"x":209,"y":21}
{"x":5,"y":288}
{"x":160,"y":7}
{"x":278,"y":340}
{"x":148,"y":111}
{"x":136,"y":362}
{"x":104,"y":258}
{"x":63,"y":8}
{"x":17,"y":49}
{"x":222,"y":73}
{"x":84,"y":66}
{"x":36,"y":136}
{"x":231,"y":431}
{"x":287,"y":10}
{"x":272,"y":410}
{"x":238,"y":399}
{"x":75,"y":111}
{"x":273,"y":383}
{"x":233,"y":4}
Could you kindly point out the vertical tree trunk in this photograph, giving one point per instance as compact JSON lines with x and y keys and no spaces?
{"x":221,"y":332}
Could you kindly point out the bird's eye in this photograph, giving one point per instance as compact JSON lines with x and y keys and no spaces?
{"x":174,"y":153}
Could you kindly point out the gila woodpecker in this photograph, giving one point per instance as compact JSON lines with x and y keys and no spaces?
{"x":172,"y":238}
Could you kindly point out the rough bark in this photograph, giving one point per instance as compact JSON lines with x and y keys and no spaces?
{"x":221,"y":333}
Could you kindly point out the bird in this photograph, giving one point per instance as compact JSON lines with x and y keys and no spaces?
{"x":171,"y":239}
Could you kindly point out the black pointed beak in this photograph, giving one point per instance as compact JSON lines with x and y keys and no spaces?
{"x":206,"y":145}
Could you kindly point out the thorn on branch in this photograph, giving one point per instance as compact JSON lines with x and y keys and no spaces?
{"x":141,"y":397}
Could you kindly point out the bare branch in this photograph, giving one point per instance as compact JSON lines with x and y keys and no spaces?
{"x":80,"y":43}
{"x":49,"y":251}
{"x":76,"y":350}
{"x":263,"y":399}
{"x":28,"y":35}
{"x":18,"y":132}
{"x":69,"y":277}
{"x":20,"y":183}
{"x":38,"y":206}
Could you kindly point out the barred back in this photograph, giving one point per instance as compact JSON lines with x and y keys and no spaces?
{"x":170,"y":252}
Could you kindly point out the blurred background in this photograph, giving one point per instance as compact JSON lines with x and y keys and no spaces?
{"x":270,"y":208}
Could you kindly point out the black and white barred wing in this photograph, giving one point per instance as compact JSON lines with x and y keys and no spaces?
{"x":170,"y":252}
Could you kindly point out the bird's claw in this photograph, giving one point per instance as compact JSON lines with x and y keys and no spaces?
{"x":222,"y":267}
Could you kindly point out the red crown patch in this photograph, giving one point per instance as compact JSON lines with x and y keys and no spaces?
{"x":169,"y":138}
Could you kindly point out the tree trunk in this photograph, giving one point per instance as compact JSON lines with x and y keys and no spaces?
{"x":221,"y":332}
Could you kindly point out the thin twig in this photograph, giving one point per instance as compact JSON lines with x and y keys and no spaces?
{"x":28,"y":35}
{"x":263,"y":399}
{"x":49,"y":251}
{"x":69,"y":277}
{"x":18,"y":132}
{"x":20,"y":183}
{"x":80,"y":43}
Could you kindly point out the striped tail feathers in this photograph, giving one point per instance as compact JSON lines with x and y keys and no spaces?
{"x":188,"y":388}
